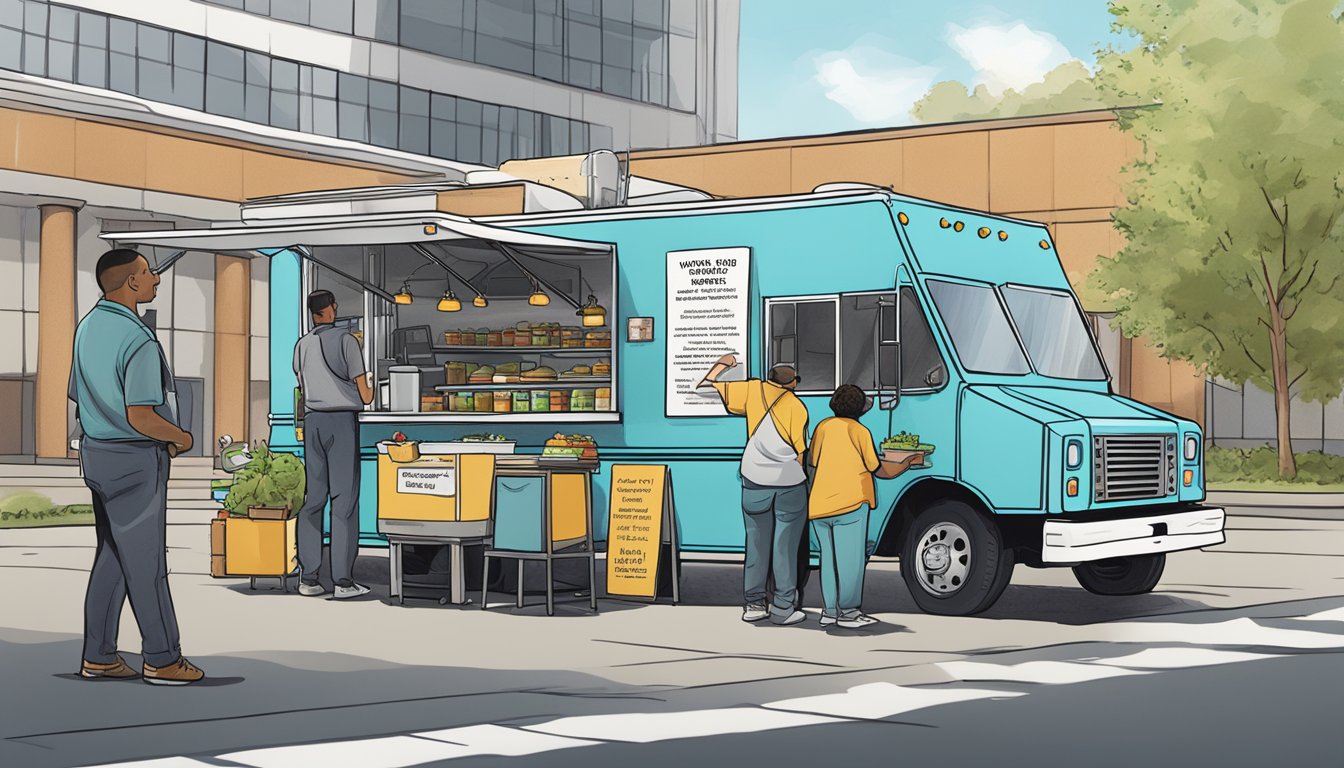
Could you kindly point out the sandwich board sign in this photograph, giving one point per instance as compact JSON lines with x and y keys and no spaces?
{"x":642,"y":547}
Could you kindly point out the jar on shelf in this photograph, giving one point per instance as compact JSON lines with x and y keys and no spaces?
{"x":503,"y":402}
{"x":540,"y":336}
{"x":522,"y":401}
{"x":582,"y":400}
{"x":522,"y":335}
{"x":463,"y":401}
{"x":452,"y":338}
{"x":602,"y":399}
{"x":506,"y":337}
{"x":494,"y":339}
{"x":541,"y":401}
{"x":559,"y":400}
{"x":482,"y":337}
{"x":483,"y":402}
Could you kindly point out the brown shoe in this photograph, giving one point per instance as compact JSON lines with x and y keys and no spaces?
{"x":180,"y":672}
{"x":117,"y":669}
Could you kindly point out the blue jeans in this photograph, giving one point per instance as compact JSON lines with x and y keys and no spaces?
{"x":776,"y":519}
{"x":844,"y":543}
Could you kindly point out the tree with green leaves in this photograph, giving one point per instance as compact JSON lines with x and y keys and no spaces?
{"x":1234,"y":257}
{"x":1066,"y":88}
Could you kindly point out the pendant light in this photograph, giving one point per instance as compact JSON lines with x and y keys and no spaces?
{"x":449,"y":302}
{"x":480,"y":301}
{"x":538,"y":297}
{"x":403,"y":296}
{"x":594,"y":315}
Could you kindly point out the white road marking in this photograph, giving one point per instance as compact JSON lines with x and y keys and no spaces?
{"x":499,"y":740}
{"x":1180,"y":658}
{"x":162,"y":762}
{"x":1043,"y":672}
{"x":390,"y":752}
{"x":646,"y":727}
{"x":875,"y":701}
{"x":1336,"y":614}
{"x":1235,"y":632}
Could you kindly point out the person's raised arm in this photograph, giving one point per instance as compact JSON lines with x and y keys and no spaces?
{"x":722,"y":364}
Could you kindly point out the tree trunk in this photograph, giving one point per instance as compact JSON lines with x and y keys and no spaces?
{"x":1278,"y":345}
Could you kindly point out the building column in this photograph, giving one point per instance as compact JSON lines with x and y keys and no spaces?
{"x":233,"y":321}
{"x":55,"y":328}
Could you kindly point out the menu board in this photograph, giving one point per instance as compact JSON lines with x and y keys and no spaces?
{"x":641,"y":523}
{"x":708,"y":297}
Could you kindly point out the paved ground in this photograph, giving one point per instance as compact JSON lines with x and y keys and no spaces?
{"x":1234,"y":660}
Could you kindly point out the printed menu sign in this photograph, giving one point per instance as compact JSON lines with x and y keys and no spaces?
{"x":427,"y":481}
{"x":708,"y":296}
{"x":640,"y":523}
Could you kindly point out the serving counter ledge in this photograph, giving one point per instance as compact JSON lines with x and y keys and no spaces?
{"x":462,"y":417}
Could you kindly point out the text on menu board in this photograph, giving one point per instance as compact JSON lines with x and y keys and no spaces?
{"x":708,"y":294}
{"x":427,"y":481}
{"x":635,"y":529}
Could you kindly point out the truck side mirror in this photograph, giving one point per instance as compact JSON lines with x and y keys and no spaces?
{"x":936,"y":376}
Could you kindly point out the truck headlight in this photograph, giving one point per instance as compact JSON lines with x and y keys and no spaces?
{"x":1191,"y":447}
{"x":1073,"y":453}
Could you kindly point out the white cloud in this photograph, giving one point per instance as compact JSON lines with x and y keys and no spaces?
{"x":871,"y":84}
{"x":1008,"y":56}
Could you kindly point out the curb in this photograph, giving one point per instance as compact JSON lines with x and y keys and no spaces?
{"x":1297,"y":500}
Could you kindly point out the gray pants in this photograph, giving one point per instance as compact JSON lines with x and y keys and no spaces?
{"x":331,"y":468}
{"x":129,"y":481}
{"x":776,"y":519}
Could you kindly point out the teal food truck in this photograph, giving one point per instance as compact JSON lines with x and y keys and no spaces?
{"x":960,"y":324}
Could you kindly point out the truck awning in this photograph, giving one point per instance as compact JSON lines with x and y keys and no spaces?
{"x":348,"y":230}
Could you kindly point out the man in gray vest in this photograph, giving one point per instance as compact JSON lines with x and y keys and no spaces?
{"x":127,"y":409}
{"x":335,"y":389}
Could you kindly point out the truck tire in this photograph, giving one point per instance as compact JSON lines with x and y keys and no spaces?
{"x":1134,"y":575}
{"x":953,"y":560}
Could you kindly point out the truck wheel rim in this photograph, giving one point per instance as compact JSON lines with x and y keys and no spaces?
{"x":943,"y":559}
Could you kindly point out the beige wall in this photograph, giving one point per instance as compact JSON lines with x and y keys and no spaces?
{"x":145,"y":157}
{"x":1062,"y":170}
{"x":56,"y":329}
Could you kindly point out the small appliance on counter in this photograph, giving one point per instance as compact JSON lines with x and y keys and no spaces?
{"x":405,"y":388}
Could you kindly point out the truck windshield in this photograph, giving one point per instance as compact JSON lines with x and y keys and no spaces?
{"x":981,"y":332}
{"x":1057,"y":339}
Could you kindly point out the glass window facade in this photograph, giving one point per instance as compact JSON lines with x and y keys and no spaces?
{"x":97,"y":50}
{"x":636,"y":49}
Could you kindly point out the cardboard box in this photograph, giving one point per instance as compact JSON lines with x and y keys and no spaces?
{"x":217,"y":568}
{"x":268,"y":513}
{"x":260,"y":547}
{"x":217,"y":537}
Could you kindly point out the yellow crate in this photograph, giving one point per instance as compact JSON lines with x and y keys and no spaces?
{"x":472,"y":489}
{"x":260,"y":547}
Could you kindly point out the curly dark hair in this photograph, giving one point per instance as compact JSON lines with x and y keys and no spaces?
{"x":849,"y":402}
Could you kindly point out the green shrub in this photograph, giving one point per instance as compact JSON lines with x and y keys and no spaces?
{"x":26,"y":509}
{"x":269,"y":480}
{"x":1225,"y":465}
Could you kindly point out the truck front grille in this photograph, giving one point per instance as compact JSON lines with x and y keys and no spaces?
{"x":1129,"y":467}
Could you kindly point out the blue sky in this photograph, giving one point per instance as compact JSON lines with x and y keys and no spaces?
{"x":821,"y":66}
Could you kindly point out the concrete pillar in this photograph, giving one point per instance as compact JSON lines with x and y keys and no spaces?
{"x":233,"y":329}
{"x":55,"y":328}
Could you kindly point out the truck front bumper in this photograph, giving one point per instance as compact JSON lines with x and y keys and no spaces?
{"x":1064,"y":541}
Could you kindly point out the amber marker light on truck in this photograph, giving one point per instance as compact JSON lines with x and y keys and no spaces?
{"x":430,"y":229}
{"x":958,"y":226}
{"x":1189,"y":477}
{"x":1072,"y":486}
{"x":1003,"y":235}
{"x":1045,"y":245}
{"x":901,"y":217}
{"x":983,"y":232}
{"x":944,"y":223}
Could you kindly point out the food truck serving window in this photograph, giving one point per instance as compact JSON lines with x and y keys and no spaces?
{"x":854,"y":338}
{"x":479,"y":327}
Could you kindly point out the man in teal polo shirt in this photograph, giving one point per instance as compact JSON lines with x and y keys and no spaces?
{"x":127,"y":409}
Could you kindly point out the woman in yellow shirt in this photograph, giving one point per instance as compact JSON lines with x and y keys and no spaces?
{"x":845,"y":462}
